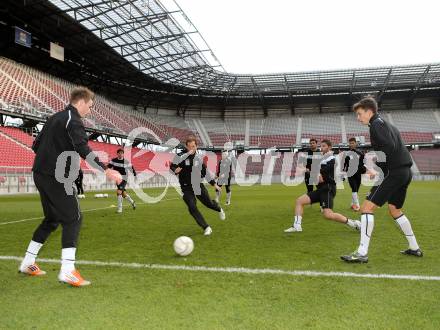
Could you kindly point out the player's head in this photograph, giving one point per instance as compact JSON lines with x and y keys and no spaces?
{"x":352,"y":143}
{"x":365,"y":109}
{"x":225,"y":154}
{"x":191,"y":143}
{"x":82,"y":99}
{"x":313,"y":144}
{"x":120,"y":153}
{"x":326,"y":146}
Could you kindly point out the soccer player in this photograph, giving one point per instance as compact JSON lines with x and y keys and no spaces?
{"x":310,"y":156}
{"x":190,"y":169}
{"x":79,"y":184}
{"x":64,"y":131}
{"x":224,"y":174}
{"x":324,"y":194}
{"x":397,"y":177}
{"x":355,"y":179}
{"x":121,"y":165}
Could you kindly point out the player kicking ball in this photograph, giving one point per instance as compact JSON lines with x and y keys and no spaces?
{"x":121,"y":165}
{"x":324,"y":194}
{"x":397,"y":177}
{"x":190,"y":169}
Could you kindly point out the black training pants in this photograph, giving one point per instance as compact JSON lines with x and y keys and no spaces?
{"x":59,"y":208}
{"x":79,"y":186}
{"x":190,"y":199}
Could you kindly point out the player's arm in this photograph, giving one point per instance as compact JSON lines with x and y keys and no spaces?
{"x":346,"y":163}
{"x":175,"y":165}
{"x":217,"y":174}
{"x":233,"y":165}
{"x":36,"y":143}
{"x":75,"y":130}
{"x":362,"y":167}
{"x":134,"y":171}
{"x":208,"y":176}
{"x":309,"y":161}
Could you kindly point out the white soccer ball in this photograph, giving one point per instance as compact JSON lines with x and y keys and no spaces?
{"x":183,"y":246}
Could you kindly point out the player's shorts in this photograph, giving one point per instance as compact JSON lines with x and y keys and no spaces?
{"x":392,"y":189}
{"x":222,"y":182}
{"x":324,"y":196}
{"x":122,"y":185}
{"x":58,"y":205}
{"x":355,"y":182}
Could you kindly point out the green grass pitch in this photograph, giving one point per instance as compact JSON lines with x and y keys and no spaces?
{"x":251,"y":237}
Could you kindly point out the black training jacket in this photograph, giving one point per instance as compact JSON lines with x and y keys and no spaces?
{"x":64,"y":131}
{"x":188,"y":163}
{"x":327,"y":170}
{"x":386,"y":138}
{"x":121,"y":165}
{"x":361,"y":167}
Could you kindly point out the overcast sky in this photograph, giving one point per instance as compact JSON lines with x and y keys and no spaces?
{"x":253,"y":36}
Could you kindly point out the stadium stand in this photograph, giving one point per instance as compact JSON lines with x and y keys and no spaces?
{"x":14,"y":154}
{"x":15,"y":146}
{"x":18,"y":135}
{"x":18,"y":157}
{"x":427,"y":160}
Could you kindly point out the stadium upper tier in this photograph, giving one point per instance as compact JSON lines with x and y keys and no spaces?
{"x":26,"y":91}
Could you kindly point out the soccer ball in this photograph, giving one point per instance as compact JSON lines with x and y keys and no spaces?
{"x":183,"y":246}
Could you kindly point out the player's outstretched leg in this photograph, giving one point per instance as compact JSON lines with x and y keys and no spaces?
{"x":130,"y":200}
{"x":212,"y":204}
{"x":330,"y":215}
{"x":299,"y":210}
{"x":190,"y":200}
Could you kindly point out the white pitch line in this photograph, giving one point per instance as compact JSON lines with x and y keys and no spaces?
{"x":239,"y":270}
{"x":89,"y":210}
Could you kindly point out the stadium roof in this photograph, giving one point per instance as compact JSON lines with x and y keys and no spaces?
{"x":150,"y":37}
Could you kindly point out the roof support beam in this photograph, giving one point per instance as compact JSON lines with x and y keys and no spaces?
{"x":141,"y":26}
{"x":384,"y":87}
{"x":291,"y":103}
{"x":417,"y":87}
{"x":260,"y":96}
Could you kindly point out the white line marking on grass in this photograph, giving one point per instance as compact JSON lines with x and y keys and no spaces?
{"x":17,"y":221}
{"x":83,"y":211}
{"x":239,"y":270}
